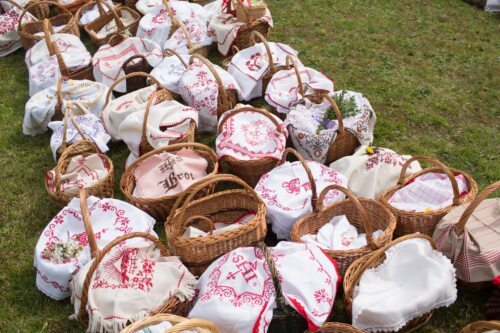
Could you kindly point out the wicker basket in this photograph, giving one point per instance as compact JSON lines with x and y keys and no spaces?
{"x":171,"y":305}
{"x":227,"y":98}
{"x":249,"y":170}
{"x":356,"y":270}
{"x":173,"y":53}
{"x":199,"y":252}
{"x":104,"y":188}
{"x":337,"y":328}
{"x":179,"y":324}
{"x":106,"y":17}
{"x":88,"y":6}
{"x":136,"y":78}
{"x":199,"y":49}
{"x":365,"y":214}
{"x":159,"y":208}
{"x":244,"y":39}
{"x":160,"y":96}
{"x":227,"y":61}
{"x":28,"y":30}
{"x":40,"y":11}
{"x":425,"y":222}
{"x":251,"y":13}
{"x":482,"y":326}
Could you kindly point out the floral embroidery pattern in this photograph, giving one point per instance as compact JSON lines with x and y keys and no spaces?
{"x":384,"y":157}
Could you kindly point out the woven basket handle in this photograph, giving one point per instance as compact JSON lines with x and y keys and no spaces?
{"x":84,"y":208}
{"x":337,"y":112}
{"x":39,"y":3}
{"x":280,"y":300}
{"x":114,"y":14}
{"x":481,"y":326}
{"x":161,"y":94}
{"x":101,"y":10}
{"x":202,"y":218}
{"x":234,"y":49}
{"x":59,"y":95}
{"x":128,"y":76}
{"x":290,"y":61}
{"x":69,"y":113}
{"x":459,"y":227}
{"x":100,"y":256}
{"x":263,"y":40}
{"x":127,"y":62}
{"x":183,"y":28}
{"x":60,"y":61}
{"x":263,"y":112}
{"x":116,"y":39}
{"x":195,"y":324}
{"x":169,"y":10}
{"x":359,"y":207}
{"x":222,"y":89}
{"x":314,"y":197}
{"x":237,"y":3}
{"x":170,"y":52}
{"x":48,"y":31}
{"x":440,"y":166}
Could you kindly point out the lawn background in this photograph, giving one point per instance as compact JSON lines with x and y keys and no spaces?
{"x":429,"y":68}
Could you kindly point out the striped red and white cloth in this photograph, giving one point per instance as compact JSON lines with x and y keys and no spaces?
{"x":475,"y":253}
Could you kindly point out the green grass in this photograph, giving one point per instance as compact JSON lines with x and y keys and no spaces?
{"x":430,"y":69}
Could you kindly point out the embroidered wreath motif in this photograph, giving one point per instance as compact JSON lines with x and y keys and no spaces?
{"x":257,"y":132}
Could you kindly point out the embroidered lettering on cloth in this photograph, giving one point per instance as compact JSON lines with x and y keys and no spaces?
{"x":251,"y":136}
{"x":286,"y":191}
{"x":108,"y":60}
{"x":40,"y":108}
{"x":220,"y":227}
{"x":170,"y":70}
{"x":200,"y":90}
{"x":430,"y":191}
{"x":131,"y":281}
{"x":339,"y":234}
{"x":283,"y":89}
{"x":236,"y":292}
{"x":369,"y":175}
{"x":90,"y":125}
{"x":248,"y":66}
{"x":117,"y":110}
{"x":110,"y":28}
{"x":167,"y":121}
{"x":82,"y":172}
{"x":168,"y":174}
{"x":413,"y":280}
{"x":312,"y":133}
{"x":476,"y":253}
{"x":93,"y":13}
{"x":110,"y":218}
{"x":9,"y":21}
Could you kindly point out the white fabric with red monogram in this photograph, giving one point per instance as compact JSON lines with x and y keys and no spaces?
{"x":167,"y":121}
{"x":370,"y":174}
{"x":225,"y":28}
{"x":170,"y":70}
{"x":283,"y":89}
{"x":91,"y":127}
{"x":131,"y":281}
{"x":198,"y":34}
{"x":305,"y":118}
{"x":237,"y":293}
{"x":9,"y":21}
{"x":40,"y":108}
{"x":428,"y":192}
{"x":44,"y":69}
{"x":117,"y":110}
{"x":110,"y":218}
{"x":248,"y":66}
{"x":108,"y":60}
{"x":156,"y":23}
{"x":286,"y":192}
{"x":81,"y":172}
{"x":251,"y":136}
{"x":200,"y":90}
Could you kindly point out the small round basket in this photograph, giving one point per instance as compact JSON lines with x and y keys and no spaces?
{"x":356,"y":270}
{"x":365,"y":214}
{"x":244,"y":38}
{"x":337,"y":328}
{"x":198,"y":253}
{"x":425,"y":222}
{"x":482,"y":326}
{"x":159,"y":208}
{"x":179,"y":324}
{"x":249,"y":170}
{"x":27,"y":31}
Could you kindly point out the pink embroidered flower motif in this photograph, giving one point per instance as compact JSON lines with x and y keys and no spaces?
{"x":321,"y":296}
{"x":256,"y":62}
{"x":293,"y":186}
{"x":8,"y":22}
{"x":385,"y":158}
{"x":257,"y":132}
{"x":162,"y":17}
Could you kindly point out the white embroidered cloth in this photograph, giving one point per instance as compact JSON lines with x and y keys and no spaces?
{"x":40,"y":108}
{"x":93,"y":13}
{"x":160,"y":327}
{"x":286,"y":191}
{"x":250,"y":136}
{"x":110,"y":218}
{"x":82,"y":172}
{"x":9,"y":20}
{"x":120,"y":108}
{"x":430,"y":191}
{"x":170,"y":71}
{"x":200,"y":90}
{"x":225,"y":28}
{"x":131,"y":281}
{"x":125,"y":17}
{"x":90,"y":125}
{"x":197,"y":31}
{"x":108,"y":60}
{"x":339,"y":234}
{"x":220,"y":227}
{"x":283,"y":89}
{"x":413,"y":280}
{"x":236,"y":292}
{"x":167,"y":121}
{"x":305,"y":117}
{"x":248,"y":66}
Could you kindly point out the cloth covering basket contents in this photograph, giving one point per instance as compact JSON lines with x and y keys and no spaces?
{"x":10,"y":41}
{"x":169,"y":323}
